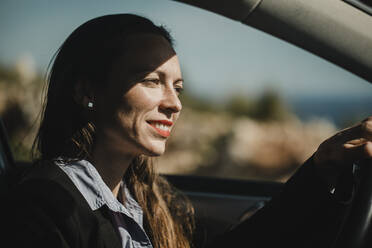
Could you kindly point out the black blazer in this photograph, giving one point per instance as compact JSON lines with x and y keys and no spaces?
{"x":47,"y":210}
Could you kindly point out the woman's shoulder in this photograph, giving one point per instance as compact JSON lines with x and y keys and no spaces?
{"x":42,"y":207}
{"x":45,"y":183}
{"x":44,"y":189}
{"x":45,"y":173}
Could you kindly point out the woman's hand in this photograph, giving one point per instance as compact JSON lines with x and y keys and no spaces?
{"x":344,"y":148}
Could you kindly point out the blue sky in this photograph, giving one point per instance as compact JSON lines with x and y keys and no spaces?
{"x":219,"y":57}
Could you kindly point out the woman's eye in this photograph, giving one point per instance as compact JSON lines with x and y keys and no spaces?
{"x":151,"y":81}
{"x":178,"y":89}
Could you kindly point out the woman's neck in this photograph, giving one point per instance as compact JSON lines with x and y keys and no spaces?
{"x":111,"y":166}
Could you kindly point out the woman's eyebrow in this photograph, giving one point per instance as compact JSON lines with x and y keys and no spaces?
{"x":179,"y":80}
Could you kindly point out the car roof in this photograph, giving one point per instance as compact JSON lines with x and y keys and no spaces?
{"x":365,"y":5}
{"x":334,"y":30}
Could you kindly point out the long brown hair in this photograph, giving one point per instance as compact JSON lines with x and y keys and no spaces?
{"x":67,"y":131}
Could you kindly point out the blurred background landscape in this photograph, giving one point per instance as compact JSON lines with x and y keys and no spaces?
{"x":254,"y":106}
{"x":260,"y":138}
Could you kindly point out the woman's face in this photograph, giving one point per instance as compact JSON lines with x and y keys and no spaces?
{"x":141,"y":105}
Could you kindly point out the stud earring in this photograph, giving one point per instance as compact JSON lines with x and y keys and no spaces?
{"x":90,"y":105}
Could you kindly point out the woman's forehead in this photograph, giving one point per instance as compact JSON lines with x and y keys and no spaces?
{"x":147,"y":44}
{"x":145,"y":53}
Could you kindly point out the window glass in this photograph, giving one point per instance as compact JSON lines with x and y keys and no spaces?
{"x":254,"y":107}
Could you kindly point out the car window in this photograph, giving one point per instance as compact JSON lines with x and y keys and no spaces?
{"x":254,"y":107}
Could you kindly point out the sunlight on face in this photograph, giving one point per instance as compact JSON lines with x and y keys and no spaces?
{"x":141,"y":104}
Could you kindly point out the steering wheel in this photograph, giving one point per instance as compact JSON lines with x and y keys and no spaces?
{"x":356,"y":231}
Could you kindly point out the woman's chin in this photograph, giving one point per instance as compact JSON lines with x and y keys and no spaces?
{"x":155,"y":150}
{"x":154,"y":153}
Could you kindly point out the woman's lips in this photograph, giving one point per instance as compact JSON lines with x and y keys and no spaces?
{"x":162,"y":127}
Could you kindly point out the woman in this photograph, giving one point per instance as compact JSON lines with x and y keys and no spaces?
{"x":113,"y":99}
{"x":112,"y":102}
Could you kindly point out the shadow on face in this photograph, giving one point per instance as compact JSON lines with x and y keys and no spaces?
{"x":140,"y":106}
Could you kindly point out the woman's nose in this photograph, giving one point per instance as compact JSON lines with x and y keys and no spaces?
{"x":171,"y":102}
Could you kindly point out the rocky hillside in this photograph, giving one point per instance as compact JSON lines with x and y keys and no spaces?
{"x":221,"y":145}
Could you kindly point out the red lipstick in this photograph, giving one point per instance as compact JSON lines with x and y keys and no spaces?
{"x":165,"y":132}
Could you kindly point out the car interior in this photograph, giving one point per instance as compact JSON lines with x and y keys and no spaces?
{"x":6,"y":161}
{"x":338,"y":31}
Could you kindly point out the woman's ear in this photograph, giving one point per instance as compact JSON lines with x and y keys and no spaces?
{"x":83,"y":94}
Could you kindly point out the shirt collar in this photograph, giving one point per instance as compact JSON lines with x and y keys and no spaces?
{"x":91,"y":185}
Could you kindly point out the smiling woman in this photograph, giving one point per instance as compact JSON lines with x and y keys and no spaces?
{"x":145,"y":111}
{"x":112,"y":103}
